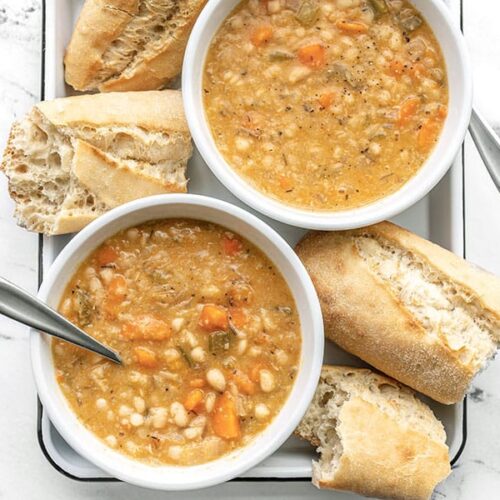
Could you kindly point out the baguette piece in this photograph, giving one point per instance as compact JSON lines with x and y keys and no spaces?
{"x":374,"y":436}
{"x":72,"y":159}
{"x":406,"y":306}
{"x":121,"y":45}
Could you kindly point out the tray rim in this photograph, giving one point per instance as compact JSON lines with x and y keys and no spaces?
{"x":40,"y":410}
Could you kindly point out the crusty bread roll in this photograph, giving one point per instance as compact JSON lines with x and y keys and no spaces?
{"x":406,"y":306}
{"x":374,"y":436}
{"x":121,"y":45}
{"x":72,"y":159}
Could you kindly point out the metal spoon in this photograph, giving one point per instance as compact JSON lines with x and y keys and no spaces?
{"x":27,"y":309}
{"x":488,"y":145}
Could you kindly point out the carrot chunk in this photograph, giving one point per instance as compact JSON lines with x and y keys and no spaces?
{"x":193,"y":400}
{"x":313,"y":56}
{"x":442,"y":112}
{"x":231,"y":246}
{"x":428,"y":134}
{"x":417,"y":71}
{"x":213,"y":318}
{"x":146,"y":327}
{"x":407,"y":110}
{"x":261,"y":35}
{"x":224,"y":418}
{"x":197,"y":383}
{"x":106,"y":256}
{"x":396,"y":68}
{"x":326,"y":99}
{"x":238,"y":316}
{"x":351,"y":27}
{"x":145,"y":357}
{"x":286,"y":183}
{"x":243,"y":382}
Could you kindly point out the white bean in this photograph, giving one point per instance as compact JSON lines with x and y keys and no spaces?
{"x":139,"y":404}
{"x":111,"y":441}
{"x":242,"y":346}
{"x":216,"y":379}
{"x":136,"y":419}
{"x":177,"y":324}
{"x":281,"y":357}
{"x":171,"y":354}
{"x":101,"y":403}
{"x":266,"y":380}
{"x":192,"y":432}
{"x":210,"y":402}
{"x":198,"y":354}
{"x":179,"y":414}
{"x":124,"y":411}
{"x":159,"y":417}
{"x":261,"y":411}
{"x":175,"y":452}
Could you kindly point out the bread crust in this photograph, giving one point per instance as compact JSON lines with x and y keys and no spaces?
{"x":112,"y":183}
{"x":150,"y":70}
{"x":99,"y":23}
{"x":364,"y":317}
{"x":159,"y":111}
{"x":381,"y":457}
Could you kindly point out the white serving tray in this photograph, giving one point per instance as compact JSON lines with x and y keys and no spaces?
{"x":438,"y":217}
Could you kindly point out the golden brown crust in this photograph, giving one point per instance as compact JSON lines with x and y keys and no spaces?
{"x":99,"y":23}
{"x":384,"y":459}
{"x":363,"y":317}
{"x":160,"y":111}
{"x":114,"y":183}
{"x":155,"y":71}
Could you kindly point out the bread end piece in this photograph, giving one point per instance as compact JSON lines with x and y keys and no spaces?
{"x":375,"y":438}
{"x":433,"y":333}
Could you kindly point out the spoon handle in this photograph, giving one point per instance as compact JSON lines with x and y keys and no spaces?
{"x":27,"y":309}
{"x":488,"y":145}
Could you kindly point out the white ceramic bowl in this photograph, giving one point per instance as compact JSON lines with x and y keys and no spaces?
{"x":226,"y":467}
{"x":460,"y":104}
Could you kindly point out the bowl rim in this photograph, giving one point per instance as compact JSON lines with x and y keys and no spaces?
{"x":418,"y":186}
{"x":43,"y":368}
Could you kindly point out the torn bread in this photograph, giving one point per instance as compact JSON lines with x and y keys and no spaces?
{"x":121,"y":45}
{"x":406,"y":306}
{"x":374,"y":436}
{"x":72,"y":159}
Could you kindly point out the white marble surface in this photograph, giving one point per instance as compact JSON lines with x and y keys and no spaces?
{"x":24,"y":472}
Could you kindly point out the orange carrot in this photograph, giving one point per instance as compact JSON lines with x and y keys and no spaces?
{"x":396,"y":68}
{"x":224,"y":418}
{"x":285,"y":183}
{"x":106,"y":256}
{"x":351,"y":27}
{"x":417,"y":70}
{"x":243,"y":382}
{"x":326,"y":99}
{"x":193,"y":400}
{"x":428,"y":134}
{"x":231,"y":246}
{"x":407,"y":110}
{"x":146,"y":327}
{"x":213,"y":318}
{"x":313,"y":56}
{"x":442,"y":112}
{"x":198,"y":383}
{"x":261,"y":35}
{"x":238,"y":316}
{"x":145,"y":357}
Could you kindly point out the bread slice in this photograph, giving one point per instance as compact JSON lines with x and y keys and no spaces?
{"x":406,"y":306}
{"x":374,"y":436}
{"x":121,"y":45}
{"x":72,"y":159}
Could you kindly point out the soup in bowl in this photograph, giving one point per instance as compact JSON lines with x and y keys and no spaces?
{"x":332,"y":114}
{"x":218,"y":366}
